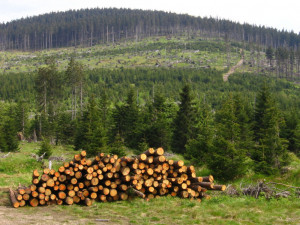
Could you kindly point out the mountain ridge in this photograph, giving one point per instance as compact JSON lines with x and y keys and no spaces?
{"x":87,"y":27}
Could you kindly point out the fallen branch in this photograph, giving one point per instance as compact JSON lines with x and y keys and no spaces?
{"x":4,"y":156}
{"x":140,"y":194}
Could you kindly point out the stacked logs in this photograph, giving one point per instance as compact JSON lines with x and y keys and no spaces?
{"x":110,"y":178}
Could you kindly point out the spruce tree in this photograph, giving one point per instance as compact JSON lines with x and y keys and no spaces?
{"x":199,"y":148}
{"x":10,"y":135}
{"x":126,"y":122}
{"x":271,"y":150}
{"x":90,"y":134}
{"x":183,"y":122}
{"x":227,"y":159}
{"x":45,"y":149}
{"x":158,"y":132}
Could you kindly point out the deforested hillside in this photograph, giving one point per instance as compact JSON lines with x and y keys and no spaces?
{"x":87,"y":27}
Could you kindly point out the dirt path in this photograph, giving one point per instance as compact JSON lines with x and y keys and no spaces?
{"x":232,"y":70}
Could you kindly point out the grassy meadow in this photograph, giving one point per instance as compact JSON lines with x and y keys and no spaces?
{"x":220,"y":209}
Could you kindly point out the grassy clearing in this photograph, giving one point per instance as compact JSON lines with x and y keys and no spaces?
{"x":150,"y":52}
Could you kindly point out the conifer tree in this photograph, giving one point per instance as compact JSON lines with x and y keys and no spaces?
{"x":158,"y":132}
{"x":10,"y":135}
{"x":199,"y":148}
{"x":271,"y":151}
{"x":126,"y":121}
{"x":183,"y":121}
{"x":45,"y":149}
{"x":90,"y":134}
{"x":227,"y":157}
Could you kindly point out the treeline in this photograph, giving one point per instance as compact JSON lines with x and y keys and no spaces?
{"x":240,"y":135}
{"x":284,"y":62}
{"x":87,"y":27}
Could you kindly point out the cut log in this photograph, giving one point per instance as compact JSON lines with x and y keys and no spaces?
{"x":34,"y":202}
{"x":13,"y":199}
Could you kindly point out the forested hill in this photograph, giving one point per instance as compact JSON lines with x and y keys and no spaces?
{"x":88,"y":27}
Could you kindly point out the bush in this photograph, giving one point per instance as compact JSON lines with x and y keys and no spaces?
{"x":45,"y":148}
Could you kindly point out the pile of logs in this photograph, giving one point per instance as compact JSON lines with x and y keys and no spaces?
{"x":109,"y":178}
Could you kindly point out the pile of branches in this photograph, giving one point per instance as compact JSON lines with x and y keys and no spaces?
{"x":110,"y":178}
{"x":267,"y":189}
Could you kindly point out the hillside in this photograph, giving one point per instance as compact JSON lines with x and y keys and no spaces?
{"x":87,"y":27}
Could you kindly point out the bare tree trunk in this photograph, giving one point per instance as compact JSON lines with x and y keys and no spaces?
{"x":81,"y":98}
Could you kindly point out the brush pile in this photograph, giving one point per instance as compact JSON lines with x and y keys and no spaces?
{"x":110,"y":178}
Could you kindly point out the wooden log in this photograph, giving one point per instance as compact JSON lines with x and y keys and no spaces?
{"x":149,"y":152}
{"x":178,"y":164}
{"x":35,"y":174}
{"x":113,"y":192}
{"x":196,"y":179}
{"x":159,"y":159}
{"x":13,"y":199}
{"x":125,"y":171}
{"x":159,"y":151}
{"x":83,"y":153}
{"x":142,"y":157}
{"x":50,"y":182}
{"x":69,"y":200}
{"x":102,"y":198}
{"x":62,"y":195}
{"x":206,"y":185}
{"x":93,"y":195}
{"x":48,"y":192}
{"x":123,"y":196}
{"x":209,"y":178}
{"x":88,"y":202}
{"x":219,"y":187}
{"x":76,"y":199}
{"x":34,"y":202}
{"x":22,"y":203}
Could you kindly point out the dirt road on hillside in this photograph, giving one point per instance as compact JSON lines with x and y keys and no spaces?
{"x":232,"y":70}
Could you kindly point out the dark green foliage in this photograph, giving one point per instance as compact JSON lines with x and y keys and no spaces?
{"x":89,"y":26}
{"x":90,"y":134}
{"x":160,"y":116}
{"x":126,"y":121}
{"x":227,"y":157}
{"x":271,"y":148}
{"x":183,"y":122}
{"x":270,"y":54}
{"x":118,"y":147}
{"x":199,"y":148}
{"x":21,"y":119}
{"x":45,"y":148}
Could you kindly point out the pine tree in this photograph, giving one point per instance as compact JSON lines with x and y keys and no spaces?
{"x":45,"y":149}
{"x":183,"y":121}
{"x":10,"y":135}
{"x":90,"y":134}
{"x":270,"y":54}
{"x":126,"y":122}
{"x":158,"y":132}
{"x":227,"y":159}
{"x":199,"y":148}
{"x":271,"y":151}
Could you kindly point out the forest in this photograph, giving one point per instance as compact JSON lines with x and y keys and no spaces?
{"x":88,"y":27}
{"x":250,"y":123}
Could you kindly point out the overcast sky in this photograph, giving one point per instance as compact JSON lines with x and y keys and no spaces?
{"x":272,"y":13}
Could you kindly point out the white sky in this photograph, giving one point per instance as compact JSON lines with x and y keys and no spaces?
{"x":272,"y":13}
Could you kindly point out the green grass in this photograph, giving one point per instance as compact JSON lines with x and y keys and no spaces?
{"x":221,"y":209}
{"x":149,"y":52}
